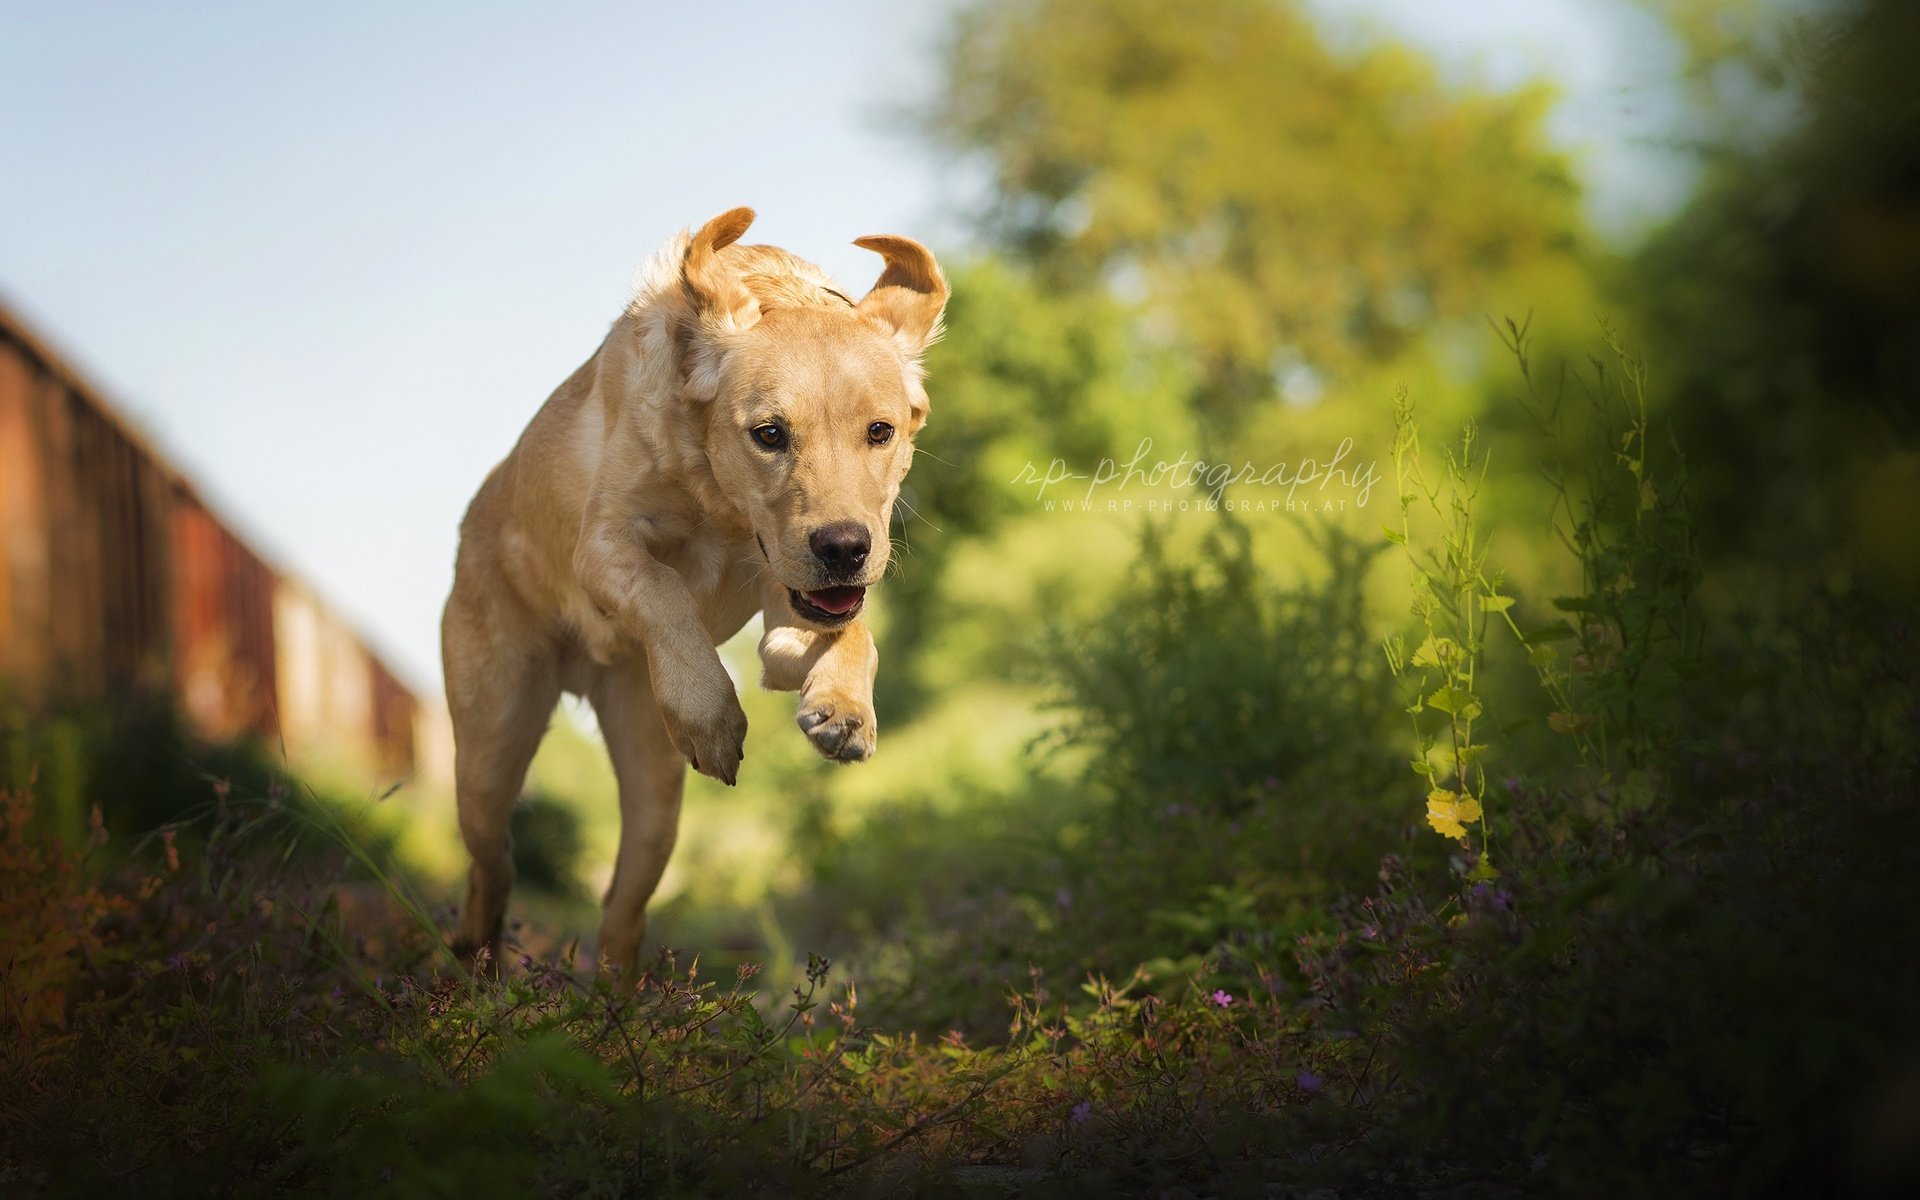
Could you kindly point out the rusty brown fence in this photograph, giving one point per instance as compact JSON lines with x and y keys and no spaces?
{"x":115,"y":574}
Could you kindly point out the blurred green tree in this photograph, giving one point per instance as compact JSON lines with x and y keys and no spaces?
{"x":1278,"y":207}
{"x":1784,"y":305}
{"x":1024,"y":377}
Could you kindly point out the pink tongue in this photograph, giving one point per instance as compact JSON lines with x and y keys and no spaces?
{"x":836,"y":599}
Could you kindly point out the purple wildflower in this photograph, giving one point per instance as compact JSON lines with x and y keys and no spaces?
{"x":1309,"y":1082}
{"x":1081,"y":1112}
{"x":1223,"y":998}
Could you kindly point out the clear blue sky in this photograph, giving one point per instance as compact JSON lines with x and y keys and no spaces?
{"x":333,"y":257}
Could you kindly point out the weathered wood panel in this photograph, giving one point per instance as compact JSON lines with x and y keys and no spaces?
{"x":114,"y":574}
{"x":24,"y":595}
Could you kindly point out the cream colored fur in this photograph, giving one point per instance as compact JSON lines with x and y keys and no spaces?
{"x":640,"y":521}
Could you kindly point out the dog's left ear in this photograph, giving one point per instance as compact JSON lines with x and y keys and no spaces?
{"x":907,"y":301}
{"x":714,"y":293}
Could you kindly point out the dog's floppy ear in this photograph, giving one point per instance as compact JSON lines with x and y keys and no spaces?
{"x":907,"y":301}
{"x":711,"y":291}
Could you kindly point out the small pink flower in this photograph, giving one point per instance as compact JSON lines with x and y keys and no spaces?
{"x":1223,"y":999}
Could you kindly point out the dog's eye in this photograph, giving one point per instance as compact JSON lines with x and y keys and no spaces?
{"x":771,"y":436}
{"x":879,"y":433}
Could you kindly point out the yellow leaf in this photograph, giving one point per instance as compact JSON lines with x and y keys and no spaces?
{"x":1450,"y":813}
{"x":1433,"y":651}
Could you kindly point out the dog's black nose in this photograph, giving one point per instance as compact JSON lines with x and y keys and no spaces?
{"x":842,"y":546}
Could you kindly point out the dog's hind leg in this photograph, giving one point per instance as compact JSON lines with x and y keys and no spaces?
{"x":652,"y":775}
{"x":500,"y":702}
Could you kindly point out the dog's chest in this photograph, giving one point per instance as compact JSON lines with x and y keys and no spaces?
{"x":723,"y":573}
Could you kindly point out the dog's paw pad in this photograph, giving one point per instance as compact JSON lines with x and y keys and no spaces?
{"x":843,"y":733}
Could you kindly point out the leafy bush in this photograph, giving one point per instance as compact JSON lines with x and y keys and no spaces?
{"x":263,"y":1051}
{"x":547,"y":845}
{"x":1202,"y":684}
{"x":133,"y":765}
{"x":50,"y":921}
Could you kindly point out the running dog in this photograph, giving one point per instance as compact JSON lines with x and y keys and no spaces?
{"x":735,"y":446}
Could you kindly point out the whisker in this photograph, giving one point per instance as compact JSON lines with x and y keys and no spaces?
{"x":915,"y":513}
{"x":755,"y":561}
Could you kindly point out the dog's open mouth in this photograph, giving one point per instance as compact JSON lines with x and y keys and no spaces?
{"x":829,"y":606}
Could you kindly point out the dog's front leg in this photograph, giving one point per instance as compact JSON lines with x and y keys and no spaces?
{"x":649,"y":603}
{"x":833,"y":672}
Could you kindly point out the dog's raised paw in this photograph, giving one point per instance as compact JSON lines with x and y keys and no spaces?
{"x":840,"y":729}
{"x":715,"y":745}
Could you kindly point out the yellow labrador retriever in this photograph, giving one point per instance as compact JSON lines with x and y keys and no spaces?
{"x":734,"y":447}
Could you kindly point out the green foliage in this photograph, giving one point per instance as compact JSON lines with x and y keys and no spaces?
{"x":1025,"y":374}
{"x":262,"y":1054}
{"x":1626,"y":520}
{"x":1606,"y":1021}
{"x":373,"y":1126}
{"x":1027,"y":377}
{"x":1780,"y":305}
{"x":1277,"y":204}
{"x":1453,"y":598}
{"x":1200,"y":683}
{"x":134,"y":757}
{"x":546,"y":845}
{"x":1615,"y":675}
{"x":133,"y":764}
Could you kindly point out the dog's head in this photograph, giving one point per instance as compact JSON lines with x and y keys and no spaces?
{"x":813,"y":402}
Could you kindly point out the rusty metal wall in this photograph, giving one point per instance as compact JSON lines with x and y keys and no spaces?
{"x":23,"y":547}
{"x":114,"y":574}
{"x":394,"y":711}
{"x":83,"y":536}
{"x":225,"y":664}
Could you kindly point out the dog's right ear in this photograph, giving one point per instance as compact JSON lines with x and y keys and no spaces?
{"x":910,"y":296}
{"x":715,"y":295}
